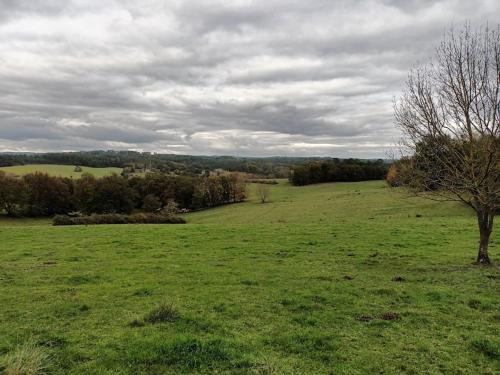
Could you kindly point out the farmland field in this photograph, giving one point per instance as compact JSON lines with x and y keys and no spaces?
{"x":59,"y":170}
{"x":346,"y":278}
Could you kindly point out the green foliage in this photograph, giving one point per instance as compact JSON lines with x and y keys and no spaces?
{"x":151,"y":203}
{"x":47,"y":195}
{"x":40,"y":194}
{"x":110,"y":194}
{"x":12,"y":194}
{"x":338,"y":171}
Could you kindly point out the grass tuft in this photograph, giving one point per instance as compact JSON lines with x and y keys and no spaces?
{"x":487,"y":347}
{"x":164,"y":313}
{"x":26,"y":359}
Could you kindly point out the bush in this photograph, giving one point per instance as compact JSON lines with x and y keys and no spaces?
{"x":63,"y":220}
{"x":170,"y":208}
{"x":141,"y":218}
{"x":398,"y":173}
{"x":262,"y":181}
{"x":12,"y":194}
{"x":392,"y":177}
{"x":151,"y":203}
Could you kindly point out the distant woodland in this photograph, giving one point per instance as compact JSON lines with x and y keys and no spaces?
{"x":270,"y":167}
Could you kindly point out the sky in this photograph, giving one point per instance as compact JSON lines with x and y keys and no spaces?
{"x":215,"y":77}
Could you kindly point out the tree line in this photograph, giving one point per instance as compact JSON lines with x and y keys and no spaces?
{"x":259,"y":167}
{"x":337,"y":170}
{"x":39,"y":194}
{"x":272,"y":167}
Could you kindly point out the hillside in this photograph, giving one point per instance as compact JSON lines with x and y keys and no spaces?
{"x":326,"y":204}
{"x":59,"y":170}
{"x":273,"y":167}
{"x":346,"y":278}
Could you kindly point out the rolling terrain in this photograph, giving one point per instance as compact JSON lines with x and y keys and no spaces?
{"x":59,"y":170}
{"x":345,"y":278}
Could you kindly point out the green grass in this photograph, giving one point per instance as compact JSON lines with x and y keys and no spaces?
{"x":301,"y":285}
{"x":7,"y":221}
{"x":59,"y":170}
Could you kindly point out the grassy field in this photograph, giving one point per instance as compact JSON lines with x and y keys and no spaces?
{"x":328,"y":279}
{"x":59,"y":170}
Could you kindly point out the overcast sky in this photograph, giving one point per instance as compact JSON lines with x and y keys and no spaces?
{"x":234,"y":77}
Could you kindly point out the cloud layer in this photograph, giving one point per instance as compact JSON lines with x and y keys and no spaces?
{"x":240,"y":77}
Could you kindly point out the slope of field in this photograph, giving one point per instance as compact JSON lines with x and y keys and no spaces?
{"x":329,"y":279}
{"x":327,"y":204}
{"x":59,"y":170}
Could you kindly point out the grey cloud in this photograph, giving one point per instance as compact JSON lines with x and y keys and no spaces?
{"x":241,"y":77}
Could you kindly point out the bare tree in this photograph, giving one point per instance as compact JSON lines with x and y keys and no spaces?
{"x":450,"y":117}
{"x":263,"y":192}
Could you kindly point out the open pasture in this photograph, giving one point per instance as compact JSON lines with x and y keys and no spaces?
{"x":59,"y":170}
{"x":347,"y":278}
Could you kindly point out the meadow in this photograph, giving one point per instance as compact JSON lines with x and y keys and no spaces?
{"x":59,"y":170}
{"x":344,"y":278}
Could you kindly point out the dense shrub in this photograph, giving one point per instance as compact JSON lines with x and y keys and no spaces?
{"x":262,"y":181}
{"x":140,"y":218}
{"x":188,"y":192}
{"x":217,"y":190}
{"x":338,"y":171}
{"x":39,"y":194}
{"x":110,"y":194}
{"x":47,"y":195}
{"x":398,"y":173}
{"x":151,"y":203}
{"x":12,"y":193}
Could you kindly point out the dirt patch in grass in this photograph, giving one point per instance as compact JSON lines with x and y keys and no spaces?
{"x":389,"y":316}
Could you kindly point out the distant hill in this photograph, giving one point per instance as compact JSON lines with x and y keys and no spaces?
{"x":273,"y":167}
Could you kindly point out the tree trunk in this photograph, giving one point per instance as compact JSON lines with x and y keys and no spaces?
{"x":485,"y":221}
